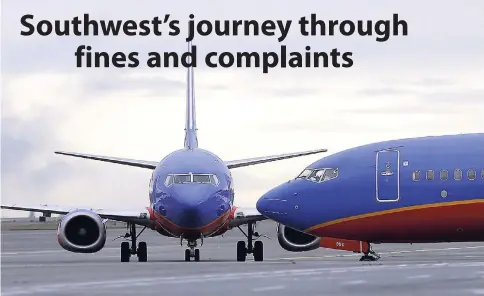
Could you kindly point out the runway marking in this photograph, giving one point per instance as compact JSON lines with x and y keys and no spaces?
{"x":357,"y":282}
{"x":382,"y":253}
{"x":23,"y":253}
{"x":272,"y":288}
{"x":422,"y":276}
{"x":211,"y":277}
{"x":478,"y":291}
{"x":339,"y":271}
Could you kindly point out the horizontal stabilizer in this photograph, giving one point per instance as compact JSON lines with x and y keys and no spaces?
{"x":124,"y":161}
{"x":258,"y":160}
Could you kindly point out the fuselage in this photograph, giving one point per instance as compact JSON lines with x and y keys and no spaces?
{"x":428,"y":189}
{"x":191,"y":193}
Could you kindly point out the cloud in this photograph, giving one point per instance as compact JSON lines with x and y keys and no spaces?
{"x":428,"y":82}
{"x":462,"y":96}
{"x":385,"y":91}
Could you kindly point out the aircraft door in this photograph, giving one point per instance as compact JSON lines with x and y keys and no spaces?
{"x":388,"y":175}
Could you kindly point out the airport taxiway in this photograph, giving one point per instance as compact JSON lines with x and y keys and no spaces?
{"x":32,"y":263}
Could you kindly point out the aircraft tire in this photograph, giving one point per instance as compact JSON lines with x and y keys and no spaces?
{"x":125,"y":252}
{"x":258,"y":251}
{"x":187,"y":255}
{"x":142,"y":252}
{"x":241,"y":251}
{"x":197,"y":255}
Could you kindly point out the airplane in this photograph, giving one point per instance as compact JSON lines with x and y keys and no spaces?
{"x":415,"y":190}
{"x":191,"y":197}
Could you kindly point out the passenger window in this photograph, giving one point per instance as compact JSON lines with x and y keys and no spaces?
{"x":430,"y":175}
{"x":444,"y":175}
{"x":471,"y":175}
{"x":416,"y":175}
{"x":457,"y":175}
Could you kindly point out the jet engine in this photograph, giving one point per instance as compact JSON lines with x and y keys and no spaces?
{"x":82,"y":231}
{"x":296,"y":241}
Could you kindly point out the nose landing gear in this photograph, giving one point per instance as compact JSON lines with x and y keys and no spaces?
{"x":192,"y":252}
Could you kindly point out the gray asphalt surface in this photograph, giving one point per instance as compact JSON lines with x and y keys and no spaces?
{"x":34,"y":264}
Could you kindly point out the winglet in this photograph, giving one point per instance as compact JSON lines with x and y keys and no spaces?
{"x":191,"y":140}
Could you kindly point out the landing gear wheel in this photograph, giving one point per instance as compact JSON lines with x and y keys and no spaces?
{"x":197,"y":255}
{"x":370,"y":256}
{"x":187,"y":255}
{"x":142,"y":252}
{"x":125,"y":252}
{"x":258,"y":251}
{"x":241,"y":251}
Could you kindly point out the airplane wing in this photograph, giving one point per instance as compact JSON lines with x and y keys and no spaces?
{"x":125,"y":161}
{"x":135,"y":217}
{"x":251,"y":161}
{"x":152,"y":164}
{"x":244,"y":215}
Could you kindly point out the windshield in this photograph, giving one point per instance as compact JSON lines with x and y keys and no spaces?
{"x":319,"y":175}
{"x":179,"y":179}
{"x":191,"y":179}
{"x":201,"y":178}
{"x":305,"y":173}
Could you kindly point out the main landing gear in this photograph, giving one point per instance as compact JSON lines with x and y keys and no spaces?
{"x":370,"y":255}
{"x":257,"y":249}
{"x":127,"y":250}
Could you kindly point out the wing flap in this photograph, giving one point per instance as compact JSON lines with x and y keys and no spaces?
{"x":124,"y":161}
{"x":258,"y":160}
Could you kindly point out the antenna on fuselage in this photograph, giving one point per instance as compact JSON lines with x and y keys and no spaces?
{"x":191,"y":140}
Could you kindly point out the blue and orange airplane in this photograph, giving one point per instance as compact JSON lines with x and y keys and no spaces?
{"x":191,"y":198}
{"x":416,"y":190}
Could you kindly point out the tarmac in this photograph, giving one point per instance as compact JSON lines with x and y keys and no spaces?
{"x":32,"y":263}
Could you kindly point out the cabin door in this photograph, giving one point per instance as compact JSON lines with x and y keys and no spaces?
{"x":388,"y":175}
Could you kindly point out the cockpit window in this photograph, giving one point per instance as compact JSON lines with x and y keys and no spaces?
{"x":305,"y":173}
{"x":316,"y":175}
{"x":201,"y":179}
{"x":191,"y":178}
{"x":180,"y":179}
{"x":319,"y":175}
{"x":169,"y":180}
{"x":329,"y":174}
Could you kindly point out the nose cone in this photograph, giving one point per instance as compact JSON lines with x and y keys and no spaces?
{"x":194,"y":206}
{"x":278,"y":203}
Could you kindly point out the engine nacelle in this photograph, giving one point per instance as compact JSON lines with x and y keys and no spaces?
{"x":296,"y":241}
{"x":81,"y":231}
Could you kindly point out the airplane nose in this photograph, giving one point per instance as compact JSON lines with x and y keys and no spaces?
{"x":190,"y":215}
{"x":275,"y":204}
{"x":196,"y":208}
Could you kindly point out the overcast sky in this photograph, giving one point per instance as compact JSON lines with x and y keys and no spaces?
{"x":426,"y":83}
